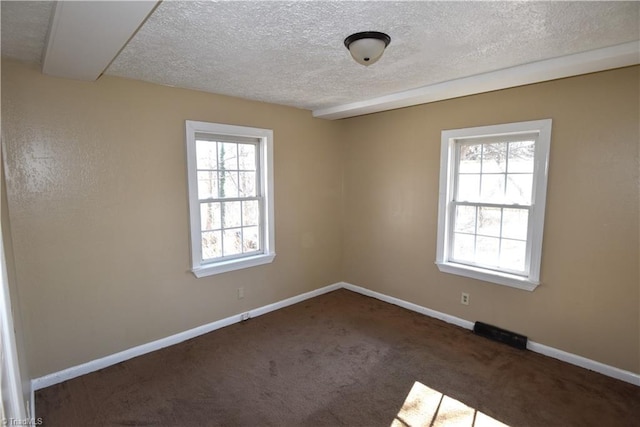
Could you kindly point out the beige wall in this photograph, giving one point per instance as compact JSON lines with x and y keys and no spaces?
{"x":98,"y":210}
{"x":588,"y":303}
{"x":98,"y":207}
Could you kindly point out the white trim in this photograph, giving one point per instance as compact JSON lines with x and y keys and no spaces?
{"x":104,"y":28}
{"x":622,"y":55}
{"x":104,"y":362}
{"x":86,"y":368}
{"x":583,"y":362}
{"x":264,"y":140}
{"x":235,"y":264}
{"x":564,"y":356}
{"x":293,"y":300}
{"x":12,"y":393}
{"x":411,"y":306}
{"x":450,"y":139}
{"x":499,"y":278}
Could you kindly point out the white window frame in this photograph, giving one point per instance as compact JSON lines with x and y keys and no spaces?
{"x":200,"y":267}
{"x":448,"y":179}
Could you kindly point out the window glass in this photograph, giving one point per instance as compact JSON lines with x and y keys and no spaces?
{"x":488,"y":220}
{"x":231,"y":207}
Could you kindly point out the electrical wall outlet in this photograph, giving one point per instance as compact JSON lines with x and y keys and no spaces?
{"x":241,"y":292}
{"x":464,"y":298}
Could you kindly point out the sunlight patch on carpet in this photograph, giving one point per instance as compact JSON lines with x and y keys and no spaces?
{"x":426,"y":407}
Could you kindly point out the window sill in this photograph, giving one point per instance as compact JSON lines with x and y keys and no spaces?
{"x":505,"y":279}
{"x":232,"y":265}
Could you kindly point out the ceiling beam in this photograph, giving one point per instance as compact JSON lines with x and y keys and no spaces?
{"x":85,"y":36}
{"x":621,"y":55}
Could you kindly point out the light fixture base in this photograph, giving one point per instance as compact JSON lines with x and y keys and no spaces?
{"x":367,"y":47}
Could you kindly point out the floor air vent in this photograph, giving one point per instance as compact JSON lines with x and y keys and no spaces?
{"x":500,"y":335}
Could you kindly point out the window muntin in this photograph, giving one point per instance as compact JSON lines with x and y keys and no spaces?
{"x":230,"y":196}
{"x":490,"y":207}
{"x":493,"y":190}
{"x":229,"y":204}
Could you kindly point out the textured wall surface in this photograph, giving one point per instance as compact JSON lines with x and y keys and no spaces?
{"x":98,"y":206}
{"x":589,"y":300}
{"x":97,"y":194}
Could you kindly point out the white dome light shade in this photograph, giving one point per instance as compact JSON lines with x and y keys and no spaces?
{"x":367,"y":47}
{"x":367,"y":51}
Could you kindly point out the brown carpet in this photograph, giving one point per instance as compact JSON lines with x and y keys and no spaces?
{"x":341,"y":359}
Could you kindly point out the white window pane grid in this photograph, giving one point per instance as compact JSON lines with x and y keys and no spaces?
{"x":230,"y":206}
{"x":230,"y":229}
{"x":226,"y":170}
{"x":493,"y":193}
{"x":491,"y":237}
{"x":493,"y":183}
{"x":499,"y":173}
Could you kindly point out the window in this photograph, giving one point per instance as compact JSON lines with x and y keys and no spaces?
{"x":230,"y":177}
{"x":493,"y":183}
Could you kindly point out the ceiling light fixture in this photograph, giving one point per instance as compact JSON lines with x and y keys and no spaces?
{"x":367,"y":47}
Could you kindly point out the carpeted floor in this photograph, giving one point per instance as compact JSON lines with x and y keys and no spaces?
{"x":341,"y":359}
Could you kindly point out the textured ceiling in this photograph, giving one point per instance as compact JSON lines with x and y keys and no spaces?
{"x":24,"y":29}
{"x":292,"y":53}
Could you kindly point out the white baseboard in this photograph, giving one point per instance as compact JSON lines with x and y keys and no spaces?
{"x":293,"y":300}
{"x":410,"y":306}
{"x":95,"y":365}
{"x":571,"y":358}
{"x":583,"y":362}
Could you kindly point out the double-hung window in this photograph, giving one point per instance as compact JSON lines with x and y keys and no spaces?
{"x":493,"y":182}
{"x":230,"y":177}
